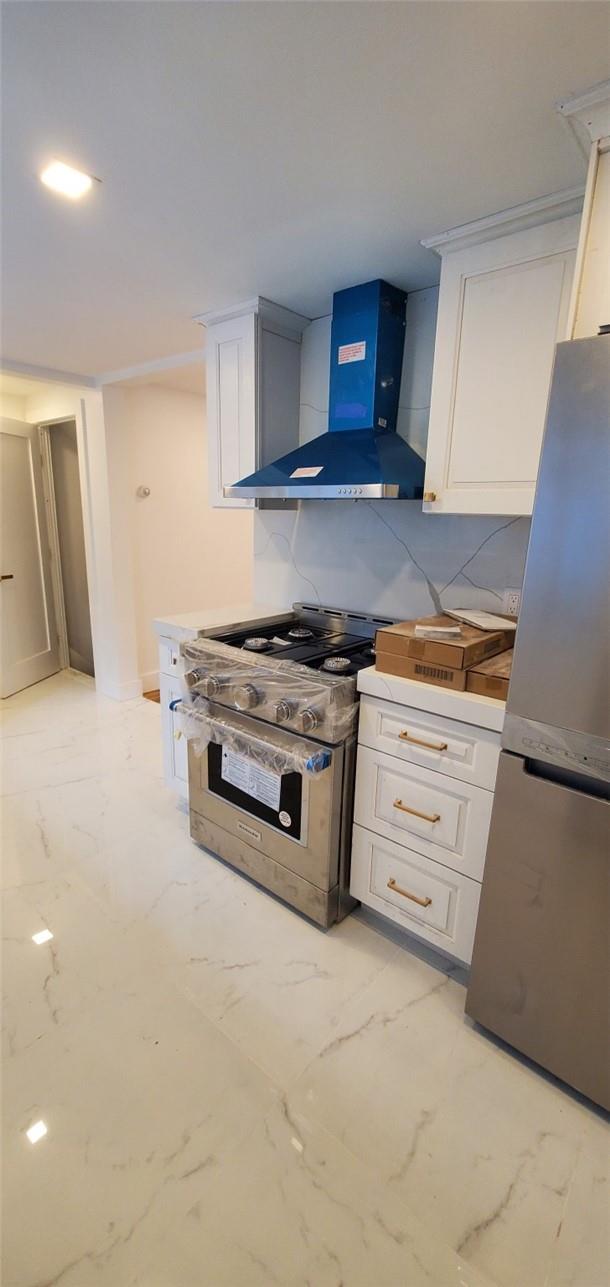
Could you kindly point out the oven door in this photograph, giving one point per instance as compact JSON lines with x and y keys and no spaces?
{"x":251,"y":780}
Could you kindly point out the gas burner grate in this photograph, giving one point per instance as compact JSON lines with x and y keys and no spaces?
{"x":337,"y":665}
{"x":301,"y":633}
{"x":256,"y":643}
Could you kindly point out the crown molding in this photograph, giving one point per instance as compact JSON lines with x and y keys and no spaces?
{"x":557,"y":205}
{"x":274,"y":316}
{"x":170,"y":363}
{"x":46,"y":374}
{"x":588,"y":113}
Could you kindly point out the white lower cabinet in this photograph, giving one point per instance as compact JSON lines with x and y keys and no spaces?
{"x":430,"y":900}
{"x":432,"y":741}
{"x":422,"y":809}
{"x":175,"y":759}
{"x":442,"y":818}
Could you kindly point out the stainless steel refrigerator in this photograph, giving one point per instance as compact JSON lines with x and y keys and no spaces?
{"x":540,"y":972}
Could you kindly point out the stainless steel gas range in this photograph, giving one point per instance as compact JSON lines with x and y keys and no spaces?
{"x":271,"y":717}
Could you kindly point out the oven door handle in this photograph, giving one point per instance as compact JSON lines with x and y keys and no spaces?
{"x":225,"y":731}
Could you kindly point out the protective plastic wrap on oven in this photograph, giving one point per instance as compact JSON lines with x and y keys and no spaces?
{"x":215,"y":669}
{"x":201,"y":726}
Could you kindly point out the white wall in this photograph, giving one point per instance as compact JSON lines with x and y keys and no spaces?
{"x":186,"y":555}
{"x":12,"y":406}
{"x":385,"y":557}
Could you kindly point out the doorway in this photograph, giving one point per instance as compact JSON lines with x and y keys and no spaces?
{"x":61,"y":481}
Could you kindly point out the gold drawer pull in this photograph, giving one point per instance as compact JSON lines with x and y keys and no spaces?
{"x":428,"y":817}
{"x":423,"y":902}
{"x":418,"y":741}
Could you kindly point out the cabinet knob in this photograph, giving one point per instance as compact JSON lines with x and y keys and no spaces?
{"x":429,"y":496}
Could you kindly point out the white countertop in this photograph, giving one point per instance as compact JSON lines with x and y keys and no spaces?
{"x":188,"y":625}
{"x":484,"y":712}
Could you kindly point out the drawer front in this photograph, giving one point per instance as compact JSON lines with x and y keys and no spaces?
{"x":444,"y":819}
{"x":432,"y":741}
{"x":170,"y":661}
{"x":431,"y":901}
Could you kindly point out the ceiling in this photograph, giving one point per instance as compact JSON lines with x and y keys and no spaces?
{"x":263,"y":148}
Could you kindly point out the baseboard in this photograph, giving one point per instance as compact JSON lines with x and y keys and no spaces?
{"x":150,"y":681}
{"x":120,"y":692}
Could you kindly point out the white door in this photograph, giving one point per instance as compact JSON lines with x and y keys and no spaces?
{"x":29,"y":648}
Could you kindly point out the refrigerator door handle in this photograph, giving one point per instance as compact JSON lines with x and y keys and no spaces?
{"x":567,"y":778}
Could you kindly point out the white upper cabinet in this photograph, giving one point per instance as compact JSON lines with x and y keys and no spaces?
{"x":503,"y":305}
{"x":253,"y":374}
{"x":589,"y":116}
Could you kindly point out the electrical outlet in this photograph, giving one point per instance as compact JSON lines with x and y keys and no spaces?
{"x":511,"y":601}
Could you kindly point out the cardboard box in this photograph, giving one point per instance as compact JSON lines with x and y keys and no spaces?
{"x":470,"y":647}
{"x":491,"y":678}
{"x":425,"y":671}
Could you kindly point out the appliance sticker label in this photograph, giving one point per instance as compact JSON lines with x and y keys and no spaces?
{"x":309,"y":471}
{"x":352,"y":352}
{"x":250,"y":778}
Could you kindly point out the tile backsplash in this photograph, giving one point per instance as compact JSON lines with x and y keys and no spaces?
{"x":383,"y":557}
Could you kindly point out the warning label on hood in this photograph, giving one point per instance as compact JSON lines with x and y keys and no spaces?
{"x":352,"y":352}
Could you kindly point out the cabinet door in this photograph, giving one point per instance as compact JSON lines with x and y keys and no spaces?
{"x":231,"y":357}
{"x":503,"y":306}
{"x":175,"y":755}
{"x":593,"y":300}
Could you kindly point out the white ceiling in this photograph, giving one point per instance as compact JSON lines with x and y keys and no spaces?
{"x":263,"y":148}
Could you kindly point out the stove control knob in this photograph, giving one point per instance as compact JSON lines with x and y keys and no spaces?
{"x":192,"y":677}
{"x":245,"y":697}
{"x":211,"y":685}
{"x":308,"y":720}
{"x":283,"y":710}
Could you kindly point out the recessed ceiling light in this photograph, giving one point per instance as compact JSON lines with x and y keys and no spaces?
{"x":36,"y":1132}
{"x":63,"y":178}
{"x":43,"y":936}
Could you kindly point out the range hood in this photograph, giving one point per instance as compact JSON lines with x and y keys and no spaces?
{"x":361,"y":455}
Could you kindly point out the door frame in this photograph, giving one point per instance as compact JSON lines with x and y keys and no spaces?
{"x":48,"y":490}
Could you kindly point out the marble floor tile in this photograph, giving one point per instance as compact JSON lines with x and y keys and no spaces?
{"x":479,"y":1144}
{"x":293,"y":1207}
{"x":140,"y":1096}
{"x":89,"y":960}
{"x":281,"y":998}
{"x":582,"y":1245}
{"x":232,"y":1097}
